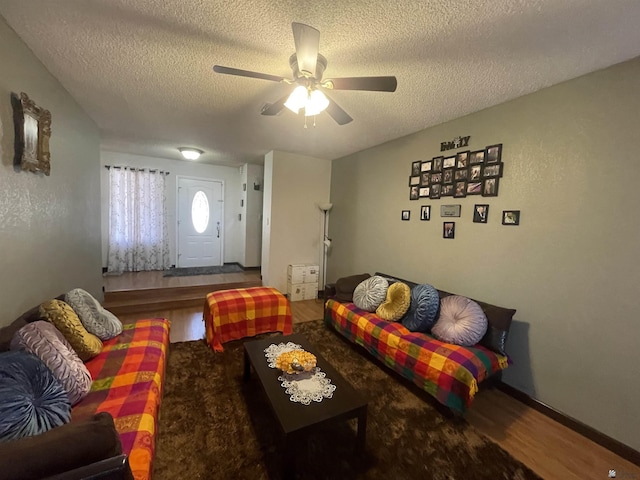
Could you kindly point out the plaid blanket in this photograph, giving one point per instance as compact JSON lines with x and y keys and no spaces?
{"x":450,"y":373}
{"x":127,"y":382}
{"x":245,"y":312}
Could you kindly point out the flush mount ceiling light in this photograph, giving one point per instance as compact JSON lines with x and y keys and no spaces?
{"x":190,"y":153}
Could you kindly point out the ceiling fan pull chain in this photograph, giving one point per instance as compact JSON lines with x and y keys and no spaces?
{"x":314,"y":121}
{"x":305,"y":122}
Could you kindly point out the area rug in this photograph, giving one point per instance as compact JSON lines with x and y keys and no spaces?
{"x":215,"y":426}
{"x":190,"y":271}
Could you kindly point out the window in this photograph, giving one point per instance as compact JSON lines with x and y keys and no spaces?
{"x":200,"y":211}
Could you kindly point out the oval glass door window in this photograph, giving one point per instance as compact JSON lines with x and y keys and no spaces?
{"x":200,"y":211}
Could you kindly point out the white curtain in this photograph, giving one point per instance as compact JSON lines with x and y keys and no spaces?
{"x":138,"y":238}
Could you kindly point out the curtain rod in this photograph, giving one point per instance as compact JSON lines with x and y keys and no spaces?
{"x":135,"y":169}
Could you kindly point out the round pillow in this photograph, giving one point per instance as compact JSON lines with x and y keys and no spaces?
{"x":461,"y":321}
{"x":397,"y":302}
{"x":370,"y":293}
{"x":33,"y":401}
{"x":45,"y":342}
{"x":424,"y":309}
{"x":95,"y":318}
{"x":85,"y":344}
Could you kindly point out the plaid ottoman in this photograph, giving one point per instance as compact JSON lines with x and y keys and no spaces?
{"x":245,"y":312}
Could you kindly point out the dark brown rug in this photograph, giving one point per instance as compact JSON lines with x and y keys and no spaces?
{"x":214,"y":426}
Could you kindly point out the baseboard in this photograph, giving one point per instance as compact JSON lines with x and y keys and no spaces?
{"x":246,"y":269}
{"x":591,"y":433}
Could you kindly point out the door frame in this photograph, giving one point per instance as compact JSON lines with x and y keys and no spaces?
{"x":177,"y":226}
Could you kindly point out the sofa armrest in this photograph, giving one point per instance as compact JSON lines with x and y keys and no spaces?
{"x":329,"y":291}
{"x":114,"y":468}
{"x":61,"y":449}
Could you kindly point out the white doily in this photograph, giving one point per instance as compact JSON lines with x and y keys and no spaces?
{"x":301,"y":387}
{"x":308,"y":386}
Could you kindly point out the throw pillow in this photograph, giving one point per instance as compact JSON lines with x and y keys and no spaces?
{"x":65,"y":448}
{"x":33,"y":401}
{"x":424,"y":309}
{"x":62,"y":316}
{"x":370,"y":293}
{"x":397,"y":302}
{"x":346,"y":285}
{"x":45,"y":342}
{"x":461,"y":321}
{"x":95,"y":318}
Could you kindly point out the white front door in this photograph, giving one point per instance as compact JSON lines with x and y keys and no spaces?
{"x":200,"y":228}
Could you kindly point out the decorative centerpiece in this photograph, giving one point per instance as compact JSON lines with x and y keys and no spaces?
{"x":296,"y":361}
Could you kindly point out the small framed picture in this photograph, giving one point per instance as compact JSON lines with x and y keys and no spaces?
{"x":415,"y":168}
{"x":450,"y":210}
{"x":492,"y":170}
{"x":480,"y":213}
{"x":476,"y":157}
{"x":406,"y":215}
{"x":425,"y":213}
{"x":475,"y":172}
{"x":447,"y":175}
{"x":490,"y":187}
{"x":449,"y":162}
{"x":511,"y":217}
{"x":494,"y":153}
{"x":462,"y":159}
{"x":423,"y":192}
{"x":474,"y":188}
{"x":424,"y":178}
{"x":446,"y":190}
{"x":436,"y":178}
{"x":460,"y":189}
{"x":436,"y":165}
{"x":414,"y":181}
{"x":435,"y":191}
{"x":425,"y":166}
{"x":462,"y":174}
{"x":413,"y":193}
{"x":449,"y":230}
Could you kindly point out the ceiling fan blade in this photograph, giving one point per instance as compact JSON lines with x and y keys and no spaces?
{"x":372,"y":84}
{"x":337,"y":113}
{"x":307,"y":40}
{"x":246,"y":73}
{"x":274,"y":108}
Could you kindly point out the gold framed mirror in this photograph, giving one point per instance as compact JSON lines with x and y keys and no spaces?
{"x":32,"y":133}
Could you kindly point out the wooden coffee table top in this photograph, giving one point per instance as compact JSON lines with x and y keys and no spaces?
{"x":292,"y":416}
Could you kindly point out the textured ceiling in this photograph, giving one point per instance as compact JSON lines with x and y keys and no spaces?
{"x":142,"y":69}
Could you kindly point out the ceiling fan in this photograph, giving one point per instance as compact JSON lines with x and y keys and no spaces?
{"x":308,"y":67}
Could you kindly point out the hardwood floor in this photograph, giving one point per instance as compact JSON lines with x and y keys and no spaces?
{"x":552,"y":450}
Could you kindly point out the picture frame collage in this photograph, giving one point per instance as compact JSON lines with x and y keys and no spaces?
{"x":460,"y":175}
{"x":480,"y":215}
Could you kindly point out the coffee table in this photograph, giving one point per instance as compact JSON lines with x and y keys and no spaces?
{"x":296,"y":419}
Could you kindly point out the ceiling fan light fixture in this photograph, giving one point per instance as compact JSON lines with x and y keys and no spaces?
{"x":313,"y":101}
{"x":190,"y":153}
{"x":297,"y":99}
{"x":316,"y":103}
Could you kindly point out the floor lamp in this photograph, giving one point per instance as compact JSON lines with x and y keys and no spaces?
{"x":326,"y":241}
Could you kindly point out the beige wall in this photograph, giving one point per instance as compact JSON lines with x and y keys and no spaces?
{"x":232,"y":194}
{"x":251,"y":241}
{"x":570,"y":269}
{"x":49,"y":226}
{"x":294,"y":186}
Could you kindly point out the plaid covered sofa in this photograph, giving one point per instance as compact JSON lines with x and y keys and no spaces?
{"x":127,"y":383}
{"x":450,"y":373}
{"x":128,"y":378}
